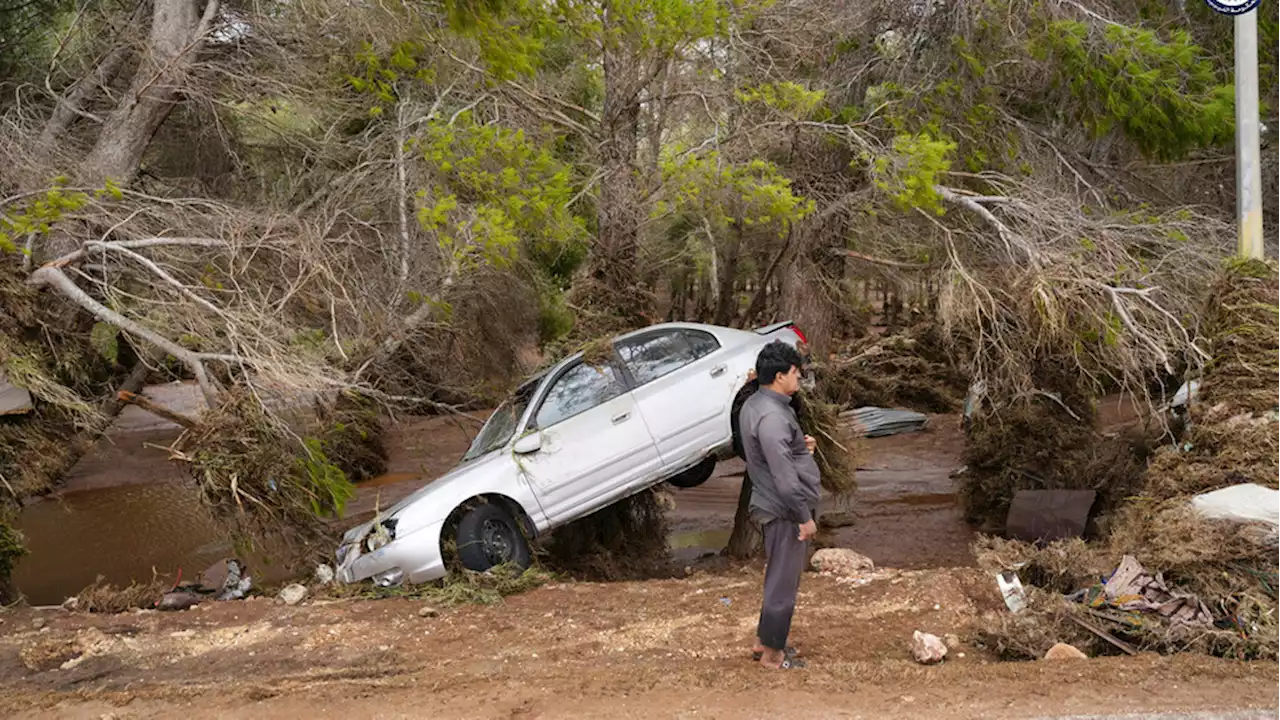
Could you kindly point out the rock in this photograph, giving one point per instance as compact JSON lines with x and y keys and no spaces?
{"x":428,"y":612}
{"x":38,"y":623}
{"x":180,"y":600}
{"x":71,"y":604}
{"x":1063,"y":651}
{"x":952,"y":641}
{"x":324,"y":574}
{"x":842,"y":561}
{"x":927,"y":649}
{"x":293,"y":594}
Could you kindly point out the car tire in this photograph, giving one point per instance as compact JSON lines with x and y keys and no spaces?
{"x":694,"y":476}
{"x":488,"y":536}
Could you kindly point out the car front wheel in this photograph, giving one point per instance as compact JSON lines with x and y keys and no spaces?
{"x":694,"y":476}
{"x":488,"y":537}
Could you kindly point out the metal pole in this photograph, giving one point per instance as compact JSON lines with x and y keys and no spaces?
{"x":1248,"y":148}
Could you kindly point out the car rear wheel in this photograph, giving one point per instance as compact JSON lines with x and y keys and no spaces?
{"x":696,"y":475}
{"x":488,"y":537}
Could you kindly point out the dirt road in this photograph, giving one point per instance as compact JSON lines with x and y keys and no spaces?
{"x":669,"y":648}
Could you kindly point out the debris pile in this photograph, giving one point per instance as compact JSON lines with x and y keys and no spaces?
{"x":259,"y":482}
{"x":622,"y":541}
{"x":1180,"y":569}
{"x":911,"y":369}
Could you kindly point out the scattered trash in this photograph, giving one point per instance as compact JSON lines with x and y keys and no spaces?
{"x":71,"y":604}
{"x":881,"y":422}
{"x":726,"y":601}
{"x":324,"y":574}
{"x":178,"y":600}
{"x":293,"y":594}
{"x":1047,"y":515}
{"x":1242,"y":503}
{"x":1011,"y":588}
{"x":1063,"y":651}
{"x":1132,"y":589}
{"x":237,"y":583}
{"x":841,"y":561}
{"x":927,"y":649}
{"x":1186,"y":395}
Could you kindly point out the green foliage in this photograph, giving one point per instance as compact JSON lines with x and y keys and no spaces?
{"x":330,"y":489}
{"x":753,"y":193}
{"x":910,"y":172}
{"x":37,"y":214}
{"x":1163,"y":94}
{"x":105,"y":338}
{"x":791,"y":99}
{"x":380,"y":73}
{"x":494,"y":192}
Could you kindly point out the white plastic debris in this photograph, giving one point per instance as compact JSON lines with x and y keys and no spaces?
{"x":1011,"y":588}
{"x":1242,"y":503}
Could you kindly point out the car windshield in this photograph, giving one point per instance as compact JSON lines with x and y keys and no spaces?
{"x":502,"y":423}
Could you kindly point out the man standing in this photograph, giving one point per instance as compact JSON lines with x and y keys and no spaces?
{"x":784,"y":493}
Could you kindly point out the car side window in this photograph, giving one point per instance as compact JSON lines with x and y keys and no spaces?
{"x":578,"y":390}
{"x":651,"y":356}
{"x":702,"y":343}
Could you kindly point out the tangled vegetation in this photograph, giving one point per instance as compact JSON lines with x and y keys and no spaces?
{"x":1228,"y":566}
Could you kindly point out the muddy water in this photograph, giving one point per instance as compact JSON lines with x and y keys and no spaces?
{"x":127,"y":509}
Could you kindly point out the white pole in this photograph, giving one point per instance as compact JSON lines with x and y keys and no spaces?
{"x":1248,"y":147}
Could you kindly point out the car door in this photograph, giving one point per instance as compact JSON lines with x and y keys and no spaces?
{"x":682,"y":386}
{"x":594,"y":443}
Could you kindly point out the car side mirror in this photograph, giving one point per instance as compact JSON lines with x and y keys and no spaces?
{"x":530,"y":443}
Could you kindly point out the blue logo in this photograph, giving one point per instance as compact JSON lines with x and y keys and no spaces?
{"x":1233,"y":7}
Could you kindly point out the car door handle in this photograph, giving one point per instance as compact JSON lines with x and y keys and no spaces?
{"x":621,"y":418}
{"x":718,"y":370}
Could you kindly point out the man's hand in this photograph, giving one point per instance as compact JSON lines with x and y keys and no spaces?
{"x":811,"y":443}
{"x":808,"y":530}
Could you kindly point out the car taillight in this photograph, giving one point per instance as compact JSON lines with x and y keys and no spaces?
{"x":799,"y":332}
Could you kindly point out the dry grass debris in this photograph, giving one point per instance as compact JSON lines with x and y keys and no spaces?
{"x":1231,"y":567}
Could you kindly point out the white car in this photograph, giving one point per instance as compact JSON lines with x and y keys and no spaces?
{"x":569,"y":441}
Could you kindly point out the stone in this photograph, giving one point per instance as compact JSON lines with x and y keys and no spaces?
{"x":952,"y":641}
{"x":927,"y":649}
{"x":38,"y":623}
{"x":842,"y":561}
{"x":178,"y":600}
{"x":293,"y":594}
{"x":71,"y":604}
{"x":428,"y":612}
{"x":324,"y":574}
{"x":1063,"y":651}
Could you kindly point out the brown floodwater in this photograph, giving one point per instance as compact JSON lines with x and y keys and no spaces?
{"x":127,"y":510}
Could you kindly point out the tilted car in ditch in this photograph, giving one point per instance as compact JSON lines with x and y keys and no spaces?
{"x":569,"y":441}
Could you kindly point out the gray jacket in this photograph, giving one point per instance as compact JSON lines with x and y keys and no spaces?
{"x":784,"y":476}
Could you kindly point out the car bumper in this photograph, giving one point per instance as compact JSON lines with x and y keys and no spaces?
{"x":414,"y":558}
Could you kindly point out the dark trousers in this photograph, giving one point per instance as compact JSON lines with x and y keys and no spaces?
{"x":785,"y":555}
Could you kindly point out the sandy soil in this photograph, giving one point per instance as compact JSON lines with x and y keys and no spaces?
{"x":663,"y":648}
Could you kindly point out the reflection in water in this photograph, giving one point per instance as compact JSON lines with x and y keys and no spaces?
{"x":120,"y":533}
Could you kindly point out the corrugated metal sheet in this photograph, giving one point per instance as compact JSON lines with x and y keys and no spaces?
{"x":879,"y":422}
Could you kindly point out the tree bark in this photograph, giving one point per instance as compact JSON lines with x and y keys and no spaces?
{"x":74,"y":103}
{"x":177,"y":33}
{"x":613,"y":258}
{"x":746,"y":542}
{"x":727,"y":296}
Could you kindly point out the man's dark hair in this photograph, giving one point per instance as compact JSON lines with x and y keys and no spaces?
{"x":776,"y":358}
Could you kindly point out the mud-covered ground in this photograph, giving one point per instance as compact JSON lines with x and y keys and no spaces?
{"x":657,"y":648}
{"x":662,"y":648}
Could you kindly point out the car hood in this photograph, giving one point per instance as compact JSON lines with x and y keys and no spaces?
{"x":434,"y":501}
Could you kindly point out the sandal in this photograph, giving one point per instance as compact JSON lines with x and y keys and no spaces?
{"x":787,"y":653}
